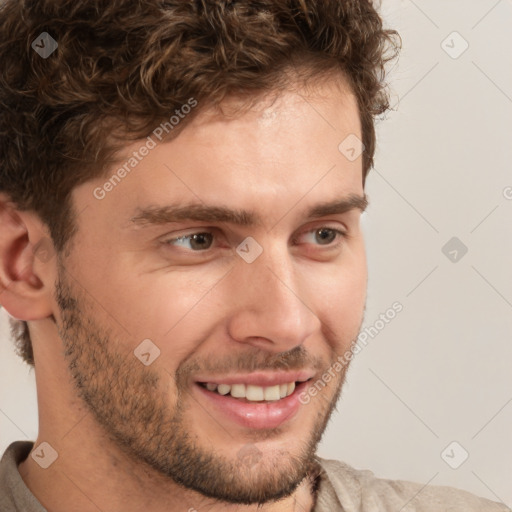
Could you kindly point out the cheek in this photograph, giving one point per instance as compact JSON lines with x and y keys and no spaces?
{"x":339,"y":295}
{"x":172,"y":308}
{"x":342,"y":295}
{"x":345,"y":279}
{"x":179,"y":309}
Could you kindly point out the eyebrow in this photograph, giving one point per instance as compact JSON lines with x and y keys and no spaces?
{"x":158,"y":215}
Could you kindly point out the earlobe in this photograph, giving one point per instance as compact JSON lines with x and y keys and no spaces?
{"x":24,"y":279}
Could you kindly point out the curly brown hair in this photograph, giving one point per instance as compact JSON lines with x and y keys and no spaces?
{"x":121,"y":66}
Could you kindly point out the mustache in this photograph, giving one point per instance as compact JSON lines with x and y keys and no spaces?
{"x":297,"y":358}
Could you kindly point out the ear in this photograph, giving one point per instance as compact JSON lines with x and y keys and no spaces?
{"x":26,"y":260}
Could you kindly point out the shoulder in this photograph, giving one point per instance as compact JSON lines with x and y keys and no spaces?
{"x":362,"y":490}
{"x":14,"y":494}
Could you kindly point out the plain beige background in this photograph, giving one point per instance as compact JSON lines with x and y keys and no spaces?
{"x":440,"y":371}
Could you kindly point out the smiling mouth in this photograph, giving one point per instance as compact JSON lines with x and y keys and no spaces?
{"x":251,"y":393}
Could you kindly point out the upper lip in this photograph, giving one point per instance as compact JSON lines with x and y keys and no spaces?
{"x":262,"y":379}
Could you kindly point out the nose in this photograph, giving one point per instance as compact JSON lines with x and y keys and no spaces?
{"x":273,"y":309}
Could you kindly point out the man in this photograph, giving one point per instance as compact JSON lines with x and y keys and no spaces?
{"x":181,"y":189}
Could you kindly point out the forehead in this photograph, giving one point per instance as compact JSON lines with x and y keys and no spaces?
{"x":330,"y":102}
{"x":275,"y":140}
{"x":283,"y":149}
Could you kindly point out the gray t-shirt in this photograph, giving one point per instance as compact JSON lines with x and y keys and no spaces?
{"x":340,"y":488}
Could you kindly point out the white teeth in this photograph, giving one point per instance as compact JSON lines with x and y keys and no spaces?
{"x":238,"y":390}
{"x":224,"y":389}
{"x":272,"y":393}
{"x":253,"y":393}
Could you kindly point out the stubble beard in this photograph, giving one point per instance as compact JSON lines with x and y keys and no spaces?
{"x":150,"y":426}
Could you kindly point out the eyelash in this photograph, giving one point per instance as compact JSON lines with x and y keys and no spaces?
{"x":340,"y":234}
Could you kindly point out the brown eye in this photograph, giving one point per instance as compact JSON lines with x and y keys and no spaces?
{"x":200,"y":241}
{"x":325,"y":235}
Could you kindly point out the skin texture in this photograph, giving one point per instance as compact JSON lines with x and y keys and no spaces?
{"x":130,"y":436}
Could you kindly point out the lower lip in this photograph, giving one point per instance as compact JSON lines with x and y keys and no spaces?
{"x":255,"y":415}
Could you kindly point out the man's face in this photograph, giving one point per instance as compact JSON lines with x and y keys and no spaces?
{"x":214,"y":314}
